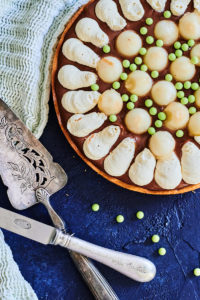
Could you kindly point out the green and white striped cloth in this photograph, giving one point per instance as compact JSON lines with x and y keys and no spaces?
{"x":28,"y":34}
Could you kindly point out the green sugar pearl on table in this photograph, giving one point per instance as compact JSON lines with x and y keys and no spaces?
{"x":185,"y":47}
{"x":134,"y":98}
{"x":155,"y":238}
{"x":192,"y":110}
{"x":167,"y":14}
{"x":168,"y":77}
{"x":179,"y":133}
{"x":162,"y":251}
{"x":138,"y":60}
{"x":95,"y":207}
{"x":150,"y":39}
{"x":191,"y":43}
{"x":149,"y":21}
{"x":143,"y":51}
{"x":153,"y":111}
{"x":116,"y":85}
{"x":159,"y":43}
{"x":143,"y":30}
{"x":120,"y":219}
{"x":194,"y":60}
{"x":130,"y":105}
{"x":106,"y":49}
{"x":196,"y":272}
{"x":179,"y":85}
{"x":194,"y":86}
{"x":177,"y":45}
{"x":178,"y":53}
{"x":154,"y":74}
{"x":172,"y":57}
{"x":184,"y":101}
{"x":148,"y":103}
{"x":187,"y":85}
{"x":162,"y":116}
{"x":158,"y":123}
{"x":112,"y":118}
{"x":125,"y":97}
{"x":191,"y":99}
{"x":94,"y":87}
{"x":151,"y":131}
{"x":140,"y":215}
{"x":180,"y":94}
{"x":126,"y":63}
{"x":133,"y":67}
{"x":123,"y":76}
{"x":144,"y":68}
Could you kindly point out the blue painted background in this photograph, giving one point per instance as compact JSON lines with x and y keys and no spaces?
{"x":175,"y":218}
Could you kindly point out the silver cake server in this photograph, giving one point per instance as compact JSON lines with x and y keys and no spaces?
{"x":31,"y":176}
{"x":135,"y":267}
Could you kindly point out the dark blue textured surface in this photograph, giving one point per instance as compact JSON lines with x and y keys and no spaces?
{"x":175,"y":218}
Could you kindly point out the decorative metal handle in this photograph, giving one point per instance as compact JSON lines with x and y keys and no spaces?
{"x":97,"y":284}
{"x":135,"y":267}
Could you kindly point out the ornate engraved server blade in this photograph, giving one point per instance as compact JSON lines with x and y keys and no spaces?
{"x":25,"y":164}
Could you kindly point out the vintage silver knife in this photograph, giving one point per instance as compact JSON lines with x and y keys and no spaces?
{"x":26,"y":167}
{"x":135,"y":267}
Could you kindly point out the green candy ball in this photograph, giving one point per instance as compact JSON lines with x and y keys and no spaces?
{"x":140,"y":215}
{"x":94,"y":87}
{"x":116,"y":85}
{"x":151,"y":131}
{"x":180,"y":94}
{"x":162,"y":251}
{"x":95,"y":207}
{"x":162,"y":116}
{"x":185,"y":47}
{"x":123,"y":76}
{"x":179,"y":85}
{"x":133,"y":67}
{"x":187,"y":85}
{"x":126,"y":63}
{"x":125,"y":97}
{"x":196,"y":272}
{"x":194,"y":60}
{"x":143,"y":30}
{"x":159,"y":43}
{"x":138,"y":60}
{"x":106,"y":49}
{"x":168,"y":77}
{"x":150,"y":40}
{"x":158,"y":123}
{"x":191,"y":43}
{"x":154,"y":74}
{"x":120,"y":219}
{"x":172,"y":57}
{"x":149,"y":21}
{"x":130,"y":105}
{"x":112,"y":118}
{"x":191,"y":99}
{"x":178,"y":53}
{"x":143,"y":51}
{"x":192,"y":110}
{"x":134,"y":98}
{"x":194,"y":86}
{"x":144,"y":68}
{"x":179,"y":133}
{"x":177,"y":45}
{"x":153,"y":111}
{"x":184,"y":101}
{"x":167,"y":14}
{"x":148,"y":103}
{"x":155,"y":238}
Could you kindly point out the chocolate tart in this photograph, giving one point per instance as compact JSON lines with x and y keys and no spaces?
{"x":151,"y":146}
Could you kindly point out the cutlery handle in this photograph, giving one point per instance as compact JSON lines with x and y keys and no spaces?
{"x":97,"y":284}
{"x":135,"y":267}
